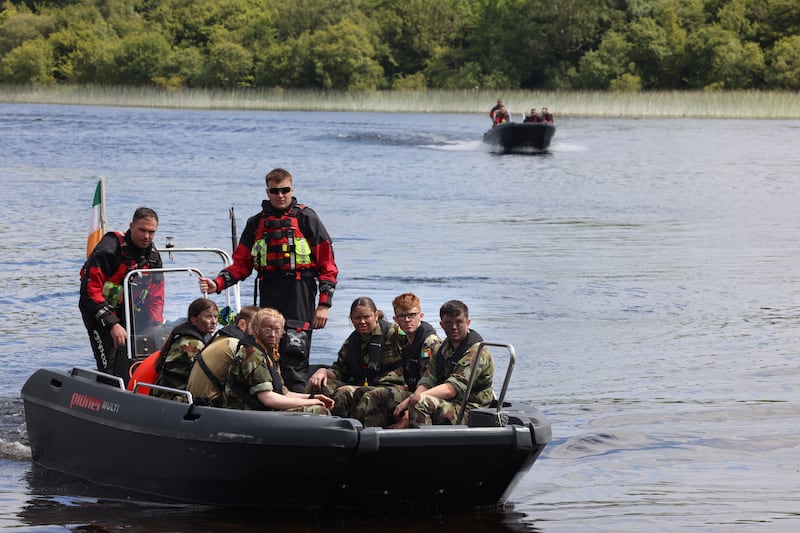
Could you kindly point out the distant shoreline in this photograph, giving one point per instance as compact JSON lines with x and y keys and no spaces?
{"x":664,"y":104}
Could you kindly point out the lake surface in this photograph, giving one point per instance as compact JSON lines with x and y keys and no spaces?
{"x":646,"y":271}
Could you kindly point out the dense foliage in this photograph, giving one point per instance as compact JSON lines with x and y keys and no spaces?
{"x":404,"y":44}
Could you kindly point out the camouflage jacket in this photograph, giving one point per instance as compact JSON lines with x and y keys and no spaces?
{"x":249,"y":375}
{"x":413,"y":364}
{"x":176,"y":364}
{"x":390,"y":372}
{"x":482,"y":393}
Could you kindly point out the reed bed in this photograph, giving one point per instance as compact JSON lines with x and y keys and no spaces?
{"x":663,"y":104}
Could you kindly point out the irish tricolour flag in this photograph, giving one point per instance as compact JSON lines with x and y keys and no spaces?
{"x":97,"y":222}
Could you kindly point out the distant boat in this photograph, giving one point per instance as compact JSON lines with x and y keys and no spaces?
{"x":520,"y":136}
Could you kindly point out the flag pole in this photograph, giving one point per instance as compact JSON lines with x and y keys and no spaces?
{"x":103,"y":222}
{"x":234,"y":235}
{"x":97,"y":221}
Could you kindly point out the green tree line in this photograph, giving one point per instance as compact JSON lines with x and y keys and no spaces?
{"x":404,"y":44}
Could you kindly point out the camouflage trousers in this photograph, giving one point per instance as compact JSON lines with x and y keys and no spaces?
{"x":346,"y":398}
{"x":315,"y":409}
{"x":377,"y":405}
{"x":429,"y":410}
{"x":328,"y":390}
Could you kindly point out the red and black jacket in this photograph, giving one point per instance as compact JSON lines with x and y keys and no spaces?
{"x":108,"y":264}
{"x":282,"y":227}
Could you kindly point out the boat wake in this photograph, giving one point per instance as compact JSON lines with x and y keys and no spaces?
{"x":605,"y":443}
{"x":399,"y":139}
{"x":419,"y":280}
{"x":16,"y":451}
{"x":566,"y":147}
{"x":455,"y":146}
{"x":13,"y":433}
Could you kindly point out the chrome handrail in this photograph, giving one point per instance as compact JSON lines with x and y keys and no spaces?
{"x":178,"y":392}
{"x":473,"y":375}
{"x":98,"y":374}
{"x":128,"y":297}
{"x":226,"y":261}
{"x":231,"y":292}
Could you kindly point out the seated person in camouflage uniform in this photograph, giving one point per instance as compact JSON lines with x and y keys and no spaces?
{"x":254,"y":379}
{"x":210,"y":368}
{"x":441,"y":390}
{"x":184,"y":342}
{"x":414,"y":341}
{"x":364,"y":360}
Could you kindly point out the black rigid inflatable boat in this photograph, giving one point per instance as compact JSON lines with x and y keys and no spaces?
{"x":87,"y":424}
{"x":520,"y":136}
{"x":81,"y":423}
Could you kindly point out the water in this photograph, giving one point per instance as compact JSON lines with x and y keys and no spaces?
{"x":645,"y":270}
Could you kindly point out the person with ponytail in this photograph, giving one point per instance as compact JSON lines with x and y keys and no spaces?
{"x":254,"y":379}
{"x":365,"y":360}
{"x":414,"y":342}
{"x":184,"y":342}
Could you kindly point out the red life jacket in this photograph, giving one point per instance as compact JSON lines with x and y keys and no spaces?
{"x":144,"y":372}
{"x":280,"y":245}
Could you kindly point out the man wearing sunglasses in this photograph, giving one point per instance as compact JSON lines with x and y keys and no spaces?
{"x":290,"y":249}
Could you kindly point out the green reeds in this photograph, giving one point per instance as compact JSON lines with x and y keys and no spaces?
{"x":661,"y":104}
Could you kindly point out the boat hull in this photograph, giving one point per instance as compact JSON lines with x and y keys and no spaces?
{"x":82,"y":426}
{"x":169,"y":449}
{"x":441,"y":467}
{"x":520,"y":136}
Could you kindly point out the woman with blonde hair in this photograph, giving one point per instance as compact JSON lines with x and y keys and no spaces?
{"x":255,"y":381}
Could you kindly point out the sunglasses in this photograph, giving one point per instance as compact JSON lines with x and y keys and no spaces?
{"x":279,"y":190}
